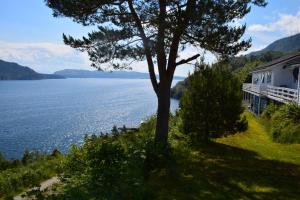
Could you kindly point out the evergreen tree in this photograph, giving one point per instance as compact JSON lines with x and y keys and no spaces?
{"x":157,"y":31}
{"x":212,"y":103}
{"x":114,"y":130}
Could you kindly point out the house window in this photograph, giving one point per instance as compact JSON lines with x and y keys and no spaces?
{"x":255,"y":80}
{"x":269,"y":77}
{"x":295,"y":74}
{"x":263,"y":78}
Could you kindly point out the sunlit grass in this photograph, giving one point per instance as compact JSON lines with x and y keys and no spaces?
{"x":243,"y":166}
{"x":258,"y":140}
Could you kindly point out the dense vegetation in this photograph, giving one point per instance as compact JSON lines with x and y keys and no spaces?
{"x":283,"y":122}
{"x":126,"y":166}
{"x":241,"y":66}
{"x":178,"y":90}
{"x":34,"y":167}
{"x":212,"y":103}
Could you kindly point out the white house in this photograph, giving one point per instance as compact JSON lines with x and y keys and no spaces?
{"x":276,"y":81}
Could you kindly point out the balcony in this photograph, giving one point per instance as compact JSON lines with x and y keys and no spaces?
{"x":257,"y":89}
{"x":281,"y":94}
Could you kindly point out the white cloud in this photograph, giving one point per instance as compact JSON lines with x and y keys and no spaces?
{"x":259,"y":28}
{"x":44,"y":57}
{"x":287,"y":24}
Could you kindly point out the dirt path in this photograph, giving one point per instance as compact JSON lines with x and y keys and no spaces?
{"x":44,"y":185}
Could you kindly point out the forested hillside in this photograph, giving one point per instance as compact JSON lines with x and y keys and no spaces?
{"x":14,"y":71}
{"x":285,"y":45}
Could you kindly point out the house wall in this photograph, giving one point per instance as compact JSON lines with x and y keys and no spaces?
{"x":283,"y":78}
{"x":279,"y":77}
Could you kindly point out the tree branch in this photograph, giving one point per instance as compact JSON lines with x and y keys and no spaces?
{"x":146,"y":46}
{"x":176,"y":39}
{"x":184,"y":61}
{"x":160,"y":47}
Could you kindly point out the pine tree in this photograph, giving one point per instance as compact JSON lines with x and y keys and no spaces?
{"x":212,"y":103}
{"x":157,"y":31}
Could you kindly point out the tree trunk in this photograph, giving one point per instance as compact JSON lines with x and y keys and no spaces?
{"x":163,"y":110}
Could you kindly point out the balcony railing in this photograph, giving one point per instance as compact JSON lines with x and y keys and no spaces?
{"x":280,"y":94}
{"x":259,"y":89}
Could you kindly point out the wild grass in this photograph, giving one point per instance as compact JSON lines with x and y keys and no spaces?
{"x":17,"y":179}
{"x":243,"y":166}
{"x":247,"y":165}
{"x":258,"y":140}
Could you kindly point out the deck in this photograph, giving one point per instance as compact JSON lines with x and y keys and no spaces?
{"x":281,"y":94}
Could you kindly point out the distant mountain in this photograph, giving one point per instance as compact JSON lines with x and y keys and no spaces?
{"x":14,"y":71}
{"x":284,"y":45}
{"x":75,"y":73}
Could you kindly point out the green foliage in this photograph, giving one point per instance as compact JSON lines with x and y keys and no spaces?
{"x":106,"y":167}
{"x":178,"y":90}
{"x":114,"y":130}
{"x":7,"y":164}
{"x":212,"y":104}
{"x":286,"y":124}
{"x":242,"y":124}
{"x":34,"y":168}
{"x":241,"y":67}
{"x":243,"y":73}
{"x":270,"y":110}
{"x":226,"y":168}
{"x":127,"y":39}
{"x":171,"y":26}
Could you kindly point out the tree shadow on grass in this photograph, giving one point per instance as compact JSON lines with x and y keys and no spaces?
{"x":219,"y":171}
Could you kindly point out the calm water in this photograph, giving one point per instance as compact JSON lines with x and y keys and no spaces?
{"x":49,"y":114}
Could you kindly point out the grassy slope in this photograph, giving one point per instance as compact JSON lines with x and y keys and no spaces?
{"x":17,"y":180}
{"x":245,"y":166}
{"x":256,"y":139}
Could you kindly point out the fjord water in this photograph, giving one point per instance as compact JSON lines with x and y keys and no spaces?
{"x":48,"y":114}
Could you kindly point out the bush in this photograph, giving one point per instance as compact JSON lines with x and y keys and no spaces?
{"x":242,"y":124}
{"x":115,"y":166}
{"x":212,"y":104}
{"x":109,"y":166}
{"x":270,"y":110}
{"x":286,"y":124}
{"x":35,"y":168}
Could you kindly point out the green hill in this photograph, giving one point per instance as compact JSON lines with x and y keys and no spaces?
{"x":285,"y":45}
{"x":14,"y":71}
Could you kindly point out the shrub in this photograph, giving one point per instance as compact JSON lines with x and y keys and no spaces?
{"x":270,"y":110}
{"x":36,"y":168}
{"x":242,"y":124}
{"x":109,"y":166}
{"x":286,"y":124}
{"x":212,"y":104}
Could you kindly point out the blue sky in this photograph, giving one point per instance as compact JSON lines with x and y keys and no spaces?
{"x":30,"y":35}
